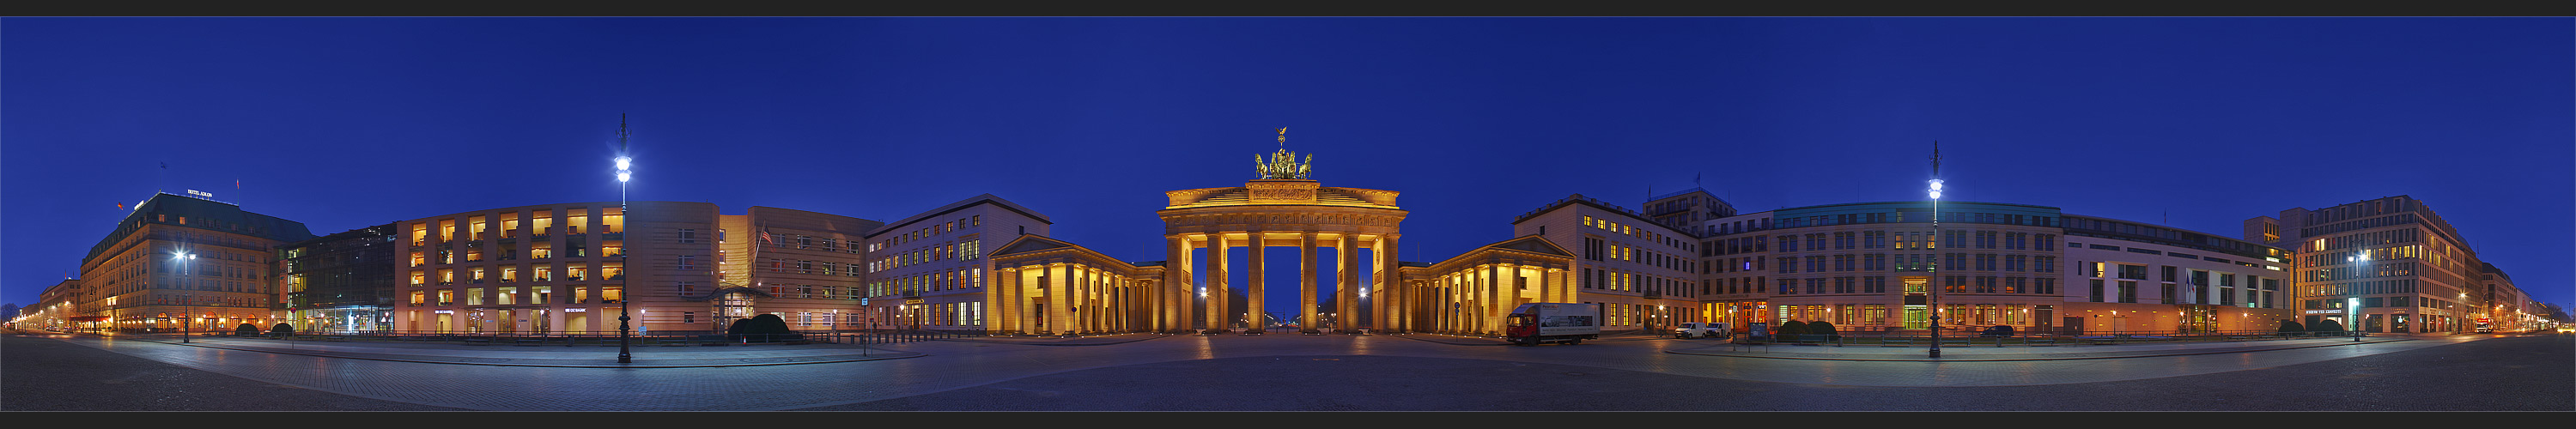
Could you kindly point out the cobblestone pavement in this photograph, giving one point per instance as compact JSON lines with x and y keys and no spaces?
{"x":799,"y":377}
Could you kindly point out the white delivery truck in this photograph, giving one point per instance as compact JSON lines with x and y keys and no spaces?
{"x":1549,"y":322}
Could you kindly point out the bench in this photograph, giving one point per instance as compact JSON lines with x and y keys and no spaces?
{"x":480,"y":341}
{"x":2036,"y":342}
{"x":532,"y":341}
{"x":335,"y":338}
{"x":1899,"y":342}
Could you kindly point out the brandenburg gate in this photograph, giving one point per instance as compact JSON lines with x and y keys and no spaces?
{"x":1282,"y":206}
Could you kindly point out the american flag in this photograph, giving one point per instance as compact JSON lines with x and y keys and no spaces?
{"x":764,"y":236}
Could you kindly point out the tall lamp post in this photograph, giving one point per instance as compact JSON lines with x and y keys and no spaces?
{"x":2352,"y":304}
{"x":1935,"y":295}
{"x":625,"y":354}
{"x":184,"y":257}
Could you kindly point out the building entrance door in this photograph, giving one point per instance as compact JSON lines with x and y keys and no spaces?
{"x":733,"y":306}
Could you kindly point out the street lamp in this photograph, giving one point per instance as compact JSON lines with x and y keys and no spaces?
{"x":625,"y":353}
{"x":184,"y":257}
{"x":2352,"y":304}
{"x":1935,"y":295}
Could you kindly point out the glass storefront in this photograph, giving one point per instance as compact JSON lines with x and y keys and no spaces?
{"x":347,"y":319}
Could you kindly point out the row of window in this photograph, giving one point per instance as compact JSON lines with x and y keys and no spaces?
{"x":510,"y":273}
{"x":799,"y":266}
{"x":612,"y":220}
{"x":514,"y":295}
{"x":961,"y":279}
{"x":205,"y":300}
{"x":510,"y":251}
{"x":1633,"y":314}
{"x":1950,"y":284}
{"x":1874,"y":316}
{"x":1597,"y":249}
{"x":1632,"y":282}
{"x":1847,"y":240}
{"x":1640,"y":233}
{"x":928,"y":231}
{"x":2126,"y":291}
{"x":968,"y":250}
{"x":805,"y":242}
{"x":1908,"y":262}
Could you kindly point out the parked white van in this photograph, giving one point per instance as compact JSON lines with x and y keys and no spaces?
{"x":1702,"y":330}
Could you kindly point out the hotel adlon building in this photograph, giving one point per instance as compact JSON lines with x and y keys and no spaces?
{"x":181,"y":262}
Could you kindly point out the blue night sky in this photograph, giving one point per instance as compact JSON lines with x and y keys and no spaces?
{"x":341,"y":123}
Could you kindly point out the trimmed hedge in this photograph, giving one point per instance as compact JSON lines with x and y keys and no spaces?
{"x":1790,"y":331}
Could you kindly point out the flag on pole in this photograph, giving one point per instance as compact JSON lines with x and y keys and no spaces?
{"x":764,"y":236}
{"x":120,"y":206}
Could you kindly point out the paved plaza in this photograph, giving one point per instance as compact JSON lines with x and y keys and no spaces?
{"x":1162,"y":372}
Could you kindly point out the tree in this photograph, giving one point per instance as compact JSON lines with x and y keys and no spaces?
{"x":246,"y":330}
{"x":2291,"y":326}
{"x":282,"y":330}
{"x":764,"y":327}
{"x":2329,"y":325}
{"x":1790,"y":331}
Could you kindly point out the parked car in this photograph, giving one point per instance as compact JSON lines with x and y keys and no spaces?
{"x":1702,"y":330}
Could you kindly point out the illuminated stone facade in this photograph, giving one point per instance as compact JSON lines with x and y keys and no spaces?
{"x":567,"y":268}
{"x":1277,"y":212}
{"x":182,"y":260}
{"x":2392,"y":261}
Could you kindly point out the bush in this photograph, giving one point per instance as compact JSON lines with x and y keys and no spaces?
{"x":246,"y":330}
{"x":1822,"y":330}
{"x":282,"y":330}
{"x":765,"y":327}
{"x":2329,"y":325}
{"x":2291,"y":326}
{"x":1790,"y":331}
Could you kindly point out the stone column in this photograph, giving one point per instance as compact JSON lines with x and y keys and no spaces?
{"x":1034,"y":296}
{"x":997,"y":300}
{"x":1252,"y":303}
{"x":1084,"y":304}
{"x":1346,"y":283}
{"x":1059,"y":289}
{"x":1391,"y":284}
{"x":1217,"y":316}
{"x":1174,"y":310}
{"x":1306,"y":291}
